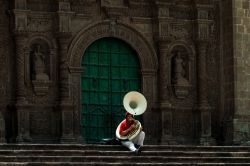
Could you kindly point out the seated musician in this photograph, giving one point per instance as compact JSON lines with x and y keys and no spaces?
{"x":125,"y":128}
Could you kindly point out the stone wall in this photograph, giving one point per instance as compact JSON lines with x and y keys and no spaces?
{"x":185,"y":48}
{"x":241,"y":58}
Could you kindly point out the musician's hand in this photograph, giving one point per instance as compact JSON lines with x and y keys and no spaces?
{"x":132,"y":126}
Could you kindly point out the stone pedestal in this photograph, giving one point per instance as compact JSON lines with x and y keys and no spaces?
{"x":41,"y":87}
{"x":182,"y":91}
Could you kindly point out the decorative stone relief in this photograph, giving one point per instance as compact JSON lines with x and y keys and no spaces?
{"x":180,"y":30}
{"x":21,"y":23}
{"x":180,"y":77}
{"x":39,"y":60}
{"x":163,"y":12}
{"x":203,"y":31}
{"x":180,"y":72}
{"x":40,"y":24}
{"x":39,"y":69}
{"x":175,"y":30}
{"x":164,"y":29}
{"x":64,"y":6}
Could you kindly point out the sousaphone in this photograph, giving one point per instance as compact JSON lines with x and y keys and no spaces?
{"x":136,"y":104}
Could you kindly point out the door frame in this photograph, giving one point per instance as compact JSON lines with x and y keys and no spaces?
{"x":146,"y":55}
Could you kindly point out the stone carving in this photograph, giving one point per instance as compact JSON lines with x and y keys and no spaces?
{"x":21,"y":23}
{"x":164,"y":29}
{"x":163,"y":12}
{"x":180,"y":31}
{"x":39,"y":64}
{"x":41,"y":24}
{"x":203,"y":31}
{"x":64,"y":6}
{"x":180,"y":73}
{"x":40,"y":68}
{"x":179,"y":70}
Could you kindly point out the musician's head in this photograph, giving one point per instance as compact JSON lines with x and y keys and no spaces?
{"x":129,"y":117}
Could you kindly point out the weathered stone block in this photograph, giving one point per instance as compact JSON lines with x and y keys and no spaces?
{"x":245,"y":4}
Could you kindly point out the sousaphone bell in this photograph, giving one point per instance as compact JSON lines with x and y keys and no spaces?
{"x":135,"y":103}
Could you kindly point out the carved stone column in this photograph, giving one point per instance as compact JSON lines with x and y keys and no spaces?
{"x":66,"y":105}
{"x":164,"y":84}
{"x":163,"y":71}
{"x":21,"y":104}
{"x":203,"y":106}
{"x":203,"y":37}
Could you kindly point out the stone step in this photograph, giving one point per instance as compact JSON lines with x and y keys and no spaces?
{"x":115,"y":164}
{"x":124,"y":159}
{"x":120,"y":153}
{"x":120,"y":148}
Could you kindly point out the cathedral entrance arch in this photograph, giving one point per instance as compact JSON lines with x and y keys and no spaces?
{"x":144,"y":52}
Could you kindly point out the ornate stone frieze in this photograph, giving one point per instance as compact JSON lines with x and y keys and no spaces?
{"x":175,"y":31}
{"x":40,"y":24}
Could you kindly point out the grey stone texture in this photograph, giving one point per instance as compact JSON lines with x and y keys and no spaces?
{"x":241,"y":26}
{"x":200,"y":98}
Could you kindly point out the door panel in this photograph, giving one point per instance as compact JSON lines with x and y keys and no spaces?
{"x":111,"y":70}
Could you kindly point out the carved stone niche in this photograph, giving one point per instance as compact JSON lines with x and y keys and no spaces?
{"x":39,"y":67}
{"x":180,"y":72}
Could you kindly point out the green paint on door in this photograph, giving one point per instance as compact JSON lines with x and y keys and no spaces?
{"x":111,"y":69}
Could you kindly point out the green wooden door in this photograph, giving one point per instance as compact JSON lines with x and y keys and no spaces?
{"x":111,"y":69}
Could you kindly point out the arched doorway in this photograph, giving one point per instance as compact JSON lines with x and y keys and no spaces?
{"x":111,"y":69}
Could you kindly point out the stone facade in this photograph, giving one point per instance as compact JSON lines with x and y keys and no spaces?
{"x":195,"y":82}
{"x":241,"y":59}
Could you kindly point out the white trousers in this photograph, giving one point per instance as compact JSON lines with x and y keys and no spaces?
{"x":137,"y":140}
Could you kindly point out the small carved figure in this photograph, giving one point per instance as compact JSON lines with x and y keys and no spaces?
{"x":179,"y":70}
{"x":39,"y":65}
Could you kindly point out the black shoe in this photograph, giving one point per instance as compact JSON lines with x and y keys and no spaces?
{"x":137,"y":146}
{"x":137,"y":151}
